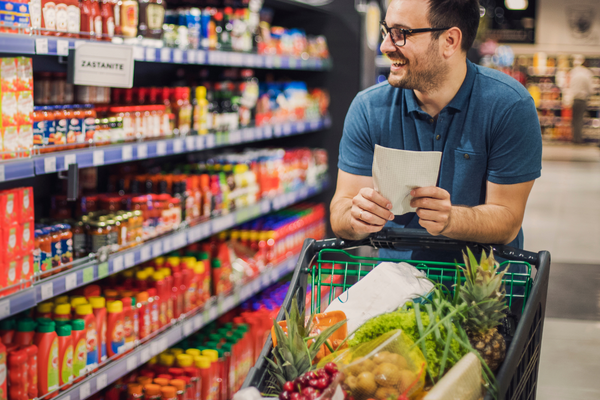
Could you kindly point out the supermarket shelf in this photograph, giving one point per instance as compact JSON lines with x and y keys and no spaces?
{"x":55,"y":46}
{"x":114,"y":154}
{"x":183,"y":328}
{"x":85,"y":272}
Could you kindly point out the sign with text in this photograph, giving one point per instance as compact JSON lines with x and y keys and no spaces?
{"x":99,"y":64}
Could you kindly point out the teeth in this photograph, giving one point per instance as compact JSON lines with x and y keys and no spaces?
{"x":399,"y":63}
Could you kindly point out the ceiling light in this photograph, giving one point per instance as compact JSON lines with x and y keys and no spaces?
{"x":516,"y":4}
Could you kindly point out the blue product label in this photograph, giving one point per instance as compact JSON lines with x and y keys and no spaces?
{"x":56,"y":253}
{"x":117,"y":347}
{"x":39,"y":131}
{"x":92,"y":357}
{"x":103,"y":351}
{"x":66,"y":250}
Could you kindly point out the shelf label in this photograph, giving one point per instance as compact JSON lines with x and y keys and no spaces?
{"x":62,"y":47}
{"x":201,"y":57}
{"x":188,"y":328}
{"x":142,"y":151}
{"x":300,"y":126}
{"x":163,"y":344}
{"x":88,"y":274}
{"x":71,"y":281}
{"x":287,"y":129}
{"x":126,"y":153}
{"x":210,"y":141}
{"x":258,"y":133}
{"x":177,"y":146}
{"x":144,"y":355}
{"x":118,"y":264}
{"x":47,"y":290}
{"x":165,"y":54}
{"x":70,"y":159}
{"x":157,"y":249}
{"x":49,"y":164}
{"x":101,"y":382}
{"x":197,"y":322}
{"x":4,"y":308}
{"x":190,"y":143}
{"x":98,"y":157}
{"x":248,"y":134}
{"x":138,"y":53}
{"x":154,"y":350}
{"x":132,"y":363}
{"x":206,"y":314}
{"x":41,"y":46}
{"x":84,"y":390}
{"x":201,"y":142}
{"x":102,"y":270}
{"x":2,"y":176}
{"x":191,"y":57}
{"x":103,"y":64}
{"x":161,"y":148}
{"x":129,"y":260}
{"x":277,"y":130}
{"x":150,"y":54}
{"x":145,"y":253}
{"x":235,"y":137}
{"x":177,"y":56}
{"x":268,"y":132}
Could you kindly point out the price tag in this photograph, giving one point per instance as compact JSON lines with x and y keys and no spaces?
{"x":268,"y":132}
{"x":165,"y":54}
{"x":178,"y":146}
{"x":191,"y":57}
{"x":129,"y":260}
{"x":4,"y":308}
{"x":41,"y":46}
{"x":303,"y":193}
{"x":177,"y":56}
{"x":142,"y":151}
{"x":132,"y":363}
{"x":101,"y":382}
{"x":66,"y":397}
{"x":287,"y":129}
{"x":47,"y":290}
{"x":213,"y":313}
{"x":201,"y":57}
{"x":2,"y":176}
{"x":126,"y":153}
{"x":150,"y":54}
{"x":277,"y":130}
{"x":70,"y":159}
{"x":163,"y":344}
{"x":258,"y":134}
{"x":236,"y":296}
{"x":84,"y":390}
{"x":71,"y":281}
{"x":206,"y":315}
{"x":264,"y":280}
{"x":269,"y":62}
{"x":210,"y":141}
{"x":248,"y":135}
{"x":144,"y":355}
{"x":161,"y":148}
{"x":138,"y":53}
{"x":154,"y":349}
{"x":188,"y":328}
{"x":88,"y":275}
{"x":118,"y":264}
{"x":300,"y":126}
{"x":145,"y":253}
{"x":197,"y":322}
{"x":235,"y":137}
{"x":200,"y":142}
{"x":190,"y":143}
{"x":102,"y":270}
{"x":157,"y":249}
{"x":62,"y":47}
{"x":49,"y":164}
{"x":167,"y":244}
{"x":98,"y":157}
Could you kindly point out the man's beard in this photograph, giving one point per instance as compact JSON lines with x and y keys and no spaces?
{"x":424,"y":75}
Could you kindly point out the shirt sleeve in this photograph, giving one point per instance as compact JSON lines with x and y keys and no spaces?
{"x":516,"y":149}
{"x":356,"y":146}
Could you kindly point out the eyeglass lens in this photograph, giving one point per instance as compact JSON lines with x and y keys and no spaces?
{"x":397,"y":35}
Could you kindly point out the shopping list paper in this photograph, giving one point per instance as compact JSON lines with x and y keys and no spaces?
{"x":397,"y":172}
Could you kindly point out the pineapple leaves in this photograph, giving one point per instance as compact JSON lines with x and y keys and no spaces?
{"x":322,"y":338}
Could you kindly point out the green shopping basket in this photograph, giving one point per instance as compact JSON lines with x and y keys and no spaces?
{"x":327,"y":264}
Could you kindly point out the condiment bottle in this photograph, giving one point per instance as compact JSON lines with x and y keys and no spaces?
{"x":134,"y":391}
{"x":79,"y":349}
{"x":128,"y":321}
{"x":85,"y":312}
{"x":66,"y":243}
{"x":62,"y":312}
{"x":7,"y":330}
{"x":44,"y":310}
{"x":154,"y":305}
{"x":168,"y":393}
{"x":97,"y":20}
{"x":46,"y":340}
{"x":98,"y":304}
{"x":65,"y":355}
{"x":32,"y":371}
{"x":76,"y":301}
{"x":152,"y":16}
{"x":87,"y":23}
{"x":179,"y":384}
{"x":56,"y":246}
{"x":114,"y":328}
{"x":152,"y":391}
{"x":160,"y":298}
{"x":206,"y":378}
{"x":17,"y":377}
{"x":143,"y":311}
{"x":129,"y":18}
{"x":25,"y":332}
{"x":108,"y":20}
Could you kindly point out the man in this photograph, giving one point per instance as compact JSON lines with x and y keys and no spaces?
{"x":580,"y":88}
{"x":483,"y":121}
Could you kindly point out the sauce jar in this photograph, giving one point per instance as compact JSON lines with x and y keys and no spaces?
{"x":66,"y":243}
{"x":99,"y":235}
{"x":79,"y":239}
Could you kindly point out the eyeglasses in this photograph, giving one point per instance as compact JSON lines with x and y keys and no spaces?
{"x":399,"y":35}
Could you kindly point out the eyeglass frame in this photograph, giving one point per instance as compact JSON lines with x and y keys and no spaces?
{"x":405,"y":32}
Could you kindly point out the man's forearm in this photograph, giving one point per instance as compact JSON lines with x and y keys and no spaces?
{"x":487,"y":223}
{"x":340,"y":220}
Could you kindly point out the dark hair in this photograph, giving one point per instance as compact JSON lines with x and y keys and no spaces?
{"x":463,"y":14}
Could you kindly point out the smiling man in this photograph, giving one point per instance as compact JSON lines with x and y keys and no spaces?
{"x":483,"y":121}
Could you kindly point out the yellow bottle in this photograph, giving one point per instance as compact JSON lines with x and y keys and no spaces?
{"x":200,"y":117}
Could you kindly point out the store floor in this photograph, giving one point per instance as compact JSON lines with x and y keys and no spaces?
{"x":563,"y":217}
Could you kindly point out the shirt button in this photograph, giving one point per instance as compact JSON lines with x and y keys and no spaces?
{"x":467,"y":156}
{"x":431,"y":120}
{"x":437,"y":137}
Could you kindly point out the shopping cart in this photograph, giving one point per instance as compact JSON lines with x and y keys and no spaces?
{"x":526,"y":282}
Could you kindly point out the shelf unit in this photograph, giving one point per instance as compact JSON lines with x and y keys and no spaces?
{"x":105,"y":155}
{"x":180,"y":329}
{"x":85,"y":271}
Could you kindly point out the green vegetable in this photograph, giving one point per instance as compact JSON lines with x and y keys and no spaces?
{"x":406,"y":320}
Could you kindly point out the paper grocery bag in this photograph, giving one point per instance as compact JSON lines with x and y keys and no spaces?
{"x":397,"y":172}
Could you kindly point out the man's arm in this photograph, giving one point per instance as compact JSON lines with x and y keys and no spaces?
{"x":357,"y":210}
{"x":497,"y":221}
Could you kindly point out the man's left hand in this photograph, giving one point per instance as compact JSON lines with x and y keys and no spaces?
{"x":433,"y":208}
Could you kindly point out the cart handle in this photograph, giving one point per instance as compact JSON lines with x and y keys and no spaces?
{"x":402,"y":237}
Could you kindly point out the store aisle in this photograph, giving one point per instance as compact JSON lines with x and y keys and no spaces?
{"x":563,"y":216}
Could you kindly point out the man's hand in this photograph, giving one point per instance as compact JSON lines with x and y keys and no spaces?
{"x":370,"y":211}
{"x":433,"y":208}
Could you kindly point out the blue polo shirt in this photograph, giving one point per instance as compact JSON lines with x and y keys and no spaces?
{"x":489,"y":132}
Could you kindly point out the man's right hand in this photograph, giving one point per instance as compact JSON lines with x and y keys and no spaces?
{"x":370,"y":211}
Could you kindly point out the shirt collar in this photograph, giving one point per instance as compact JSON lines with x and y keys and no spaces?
{"x":459,"y":101}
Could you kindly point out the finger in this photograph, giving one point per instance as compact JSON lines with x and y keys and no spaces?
{"x":432,"y":227}
{"x":362,"y":227}
{"x":375,"y":197}
{"x":430,"y":215}
{"x":374,"y":208}
{"x":367,"y":216}
{"x":430,"y":191}
{"x":428,"y":203}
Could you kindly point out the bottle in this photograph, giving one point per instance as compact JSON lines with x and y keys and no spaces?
{"x":25,"y":332}
{"x":152,"y":392}
{"x":87,"y":24}
{"x":96,"y":20}
{"x":160,"y":298}
{"x":46,"y":340}
{"x":154,"y":310}
{"x":134,"y":391}
{"x":171,"y":301}
{"x":216,"y":373}
{"x":78,"y":332}
{"x":108,"y":20}
{"x":32,"y":371}
{"x":114,"y":328}
{"x":65,"y":355}
{"x":99,"y":309}
{"x":168,"y":393}
{"x":85,"y":312}
{"x":183,"y":110}
{"x":152,"y":16}
{"x":7,"y":330}
{"x":62,"y":312}
{"x":128,"y":333}
{"x":180,"y":386}
{"x":143,"y":311}
{"x":186,"y":362}
{"x":129,"y":18}
{"x":206,"y":379}
{"x":17,"y":377}
{"x":76,"y":301}
{"x":200,"y":111}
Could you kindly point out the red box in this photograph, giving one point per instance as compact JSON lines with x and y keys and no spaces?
{"x":11,"y":276}
{"x":27,"y":268}
{"x":26,"y":211}
{"x":10,"y":242}
{"x":10,"y":207}
{"x":27,"y":229}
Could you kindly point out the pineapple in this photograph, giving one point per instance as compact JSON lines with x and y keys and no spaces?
{"x":484,"y":293}
{"x":293,"y":355}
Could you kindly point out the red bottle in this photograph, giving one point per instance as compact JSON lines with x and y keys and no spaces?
{"x":159,"y":298}
{"x":114,"y":328}
{"x":3,"y":367}
{"x":17,"y":375}
{"x":108,"y":20}
{"x":65,"y":356}
{"x":143,"y":311}
{"x":154,"y":306}
{"x":86,"y":22}
{"x":128,"y":322}
{"x":32,"y":371}
{"x":176,"y":298}
{"x":47,"y":342}
{"x":96,"y":19}
{"x":7,"y":331}
{"x":99,"y":306}
{"x":25,"y":332}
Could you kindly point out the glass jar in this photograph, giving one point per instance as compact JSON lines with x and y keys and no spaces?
{"x":98,"y":235}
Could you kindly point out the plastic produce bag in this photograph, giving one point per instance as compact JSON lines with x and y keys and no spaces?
{"x":384,"y":368}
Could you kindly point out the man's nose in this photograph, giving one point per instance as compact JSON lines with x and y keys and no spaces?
{"x":387,"y":46}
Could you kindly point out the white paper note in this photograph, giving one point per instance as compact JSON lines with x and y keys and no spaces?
{"x":397,"y":172}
